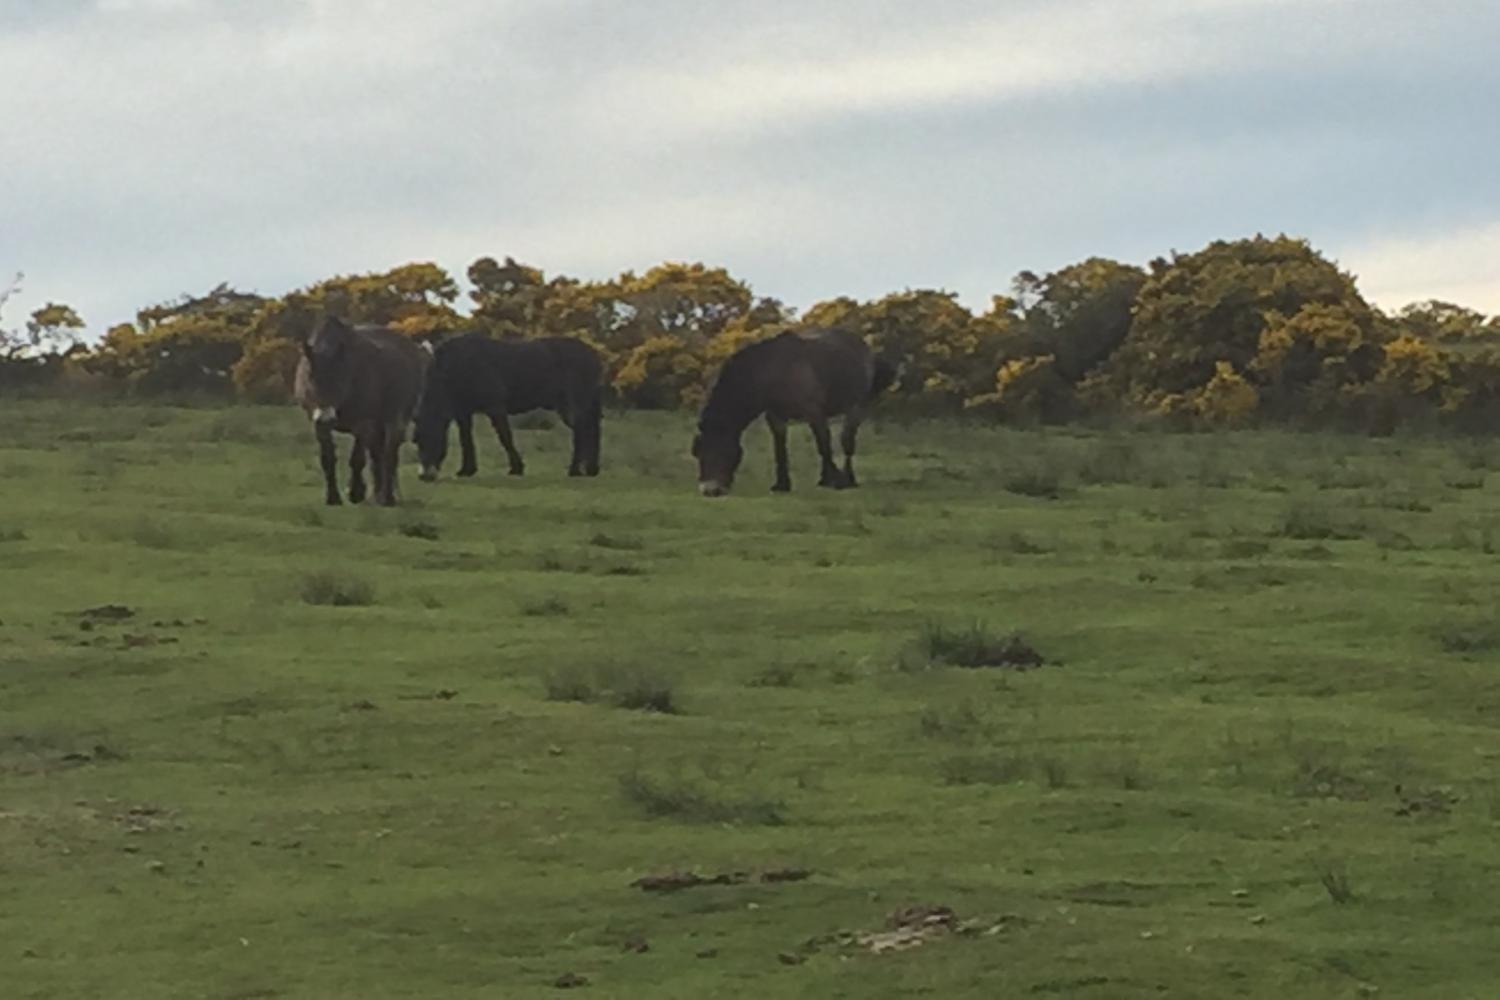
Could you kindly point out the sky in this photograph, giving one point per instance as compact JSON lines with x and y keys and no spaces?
{"x":153,"y":148}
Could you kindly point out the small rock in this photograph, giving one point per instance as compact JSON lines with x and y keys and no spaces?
{"x":159,"y":867}
{"x":637,"y":944}
{"x":570,"y":981}
{"x":791,"y":958}
{"x":1239,"y":893}
{"x":1147,"y":935}
{"x":709,"y":953}
{"x":1258,"y":919}
{"x":555,"y":751}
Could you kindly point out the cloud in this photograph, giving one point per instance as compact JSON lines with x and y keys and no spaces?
{"x":881,"y":63}
{"x":1462,"y":266}
{"x":846,"y":147}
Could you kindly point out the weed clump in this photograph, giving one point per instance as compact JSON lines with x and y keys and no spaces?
{"x":327,"y":588}
{"x":1313,"y":521}
{"x":1039,"y":481}
{"x":985,"y":769}
{"x":1334,"y":877}
{"x":617,"y":543}
{"x":700,"y":799}
{"x":570,"y":684}
{"x":416,"y":527}
{"x":1468,"y":637}
{"x":638,"y":688}
{"x":972,"y":646}
{"x":549,"y":607}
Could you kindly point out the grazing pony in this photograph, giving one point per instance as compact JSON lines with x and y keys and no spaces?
{"x":807,"y":377}
{"x":473,"y":374}
{"x":363,"y":381}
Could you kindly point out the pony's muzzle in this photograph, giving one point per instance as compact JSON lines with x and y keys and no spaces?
{"x":428,"y":474}
{"x":324,"y":415}
{"x":712,"y":489}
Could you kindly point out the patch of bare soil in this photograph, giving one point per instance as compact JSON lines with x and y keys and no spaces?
{"x":907,"y":928}
{"x":24,"y":754}
{"x":676,"y":880}
{"x":106,"y":614}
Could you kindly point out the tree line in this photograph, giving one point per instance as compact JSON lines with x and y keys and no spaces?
{"x":1256,"y":330}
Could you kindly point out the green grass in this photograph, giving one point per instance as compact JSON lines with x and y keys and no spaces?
{"x":307,"y":752}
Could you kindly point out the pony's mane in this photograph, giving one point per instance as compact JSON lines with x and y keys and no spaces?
{"x":721,"y":398}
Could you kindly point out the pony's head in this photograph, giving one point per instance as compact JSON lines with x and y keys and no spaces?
{"x":718,"y":454}
{"x":331,"y":374}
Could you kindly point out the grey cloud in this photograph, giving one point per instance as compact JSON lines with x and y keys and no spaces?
{"x":167,"y":146}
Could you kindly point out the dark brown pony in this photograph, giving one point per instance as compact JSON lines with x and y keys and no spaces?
{"x":473,"y":374}
{"x":364,"y":381}
{"x":808,"y":377}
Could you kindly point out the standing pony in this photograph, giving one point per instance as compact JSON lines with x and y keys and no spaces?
{"x":806,"y":377}
{"x":363,"y":381}
{"x":474,"y":374}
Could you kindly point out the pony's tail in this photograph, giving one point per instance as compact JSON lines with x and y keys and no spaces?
{"x":883,"y":377}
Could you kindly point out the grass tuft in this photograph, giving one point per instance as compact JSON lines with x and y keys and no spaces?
{"x":548,"y":607}
{"x":417,"y":527}
{"x":328,"y":588}
{"x":975,"y":645}
{"x":699,"y":799}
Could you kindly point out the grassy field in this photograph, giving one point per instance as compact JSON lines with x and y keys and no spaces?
{"x":251,"y":747}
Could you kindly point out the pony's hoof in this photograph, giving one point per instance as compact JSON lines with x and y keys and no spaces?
{"x":466,"y":473}
{"x":517,"y":470}
{"x":333,"y":500}
{"x":781,"y":487}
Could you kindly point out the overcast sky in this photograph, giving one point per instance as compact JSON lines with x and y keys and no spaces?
{"x":156,"y":147}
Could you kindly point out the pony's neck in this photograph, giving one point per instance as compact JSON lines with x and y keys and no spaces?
{"x":731,"y":407}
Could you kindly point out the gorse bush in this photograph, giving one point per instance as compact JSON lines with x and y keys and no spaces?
{"x":1239,"y":331}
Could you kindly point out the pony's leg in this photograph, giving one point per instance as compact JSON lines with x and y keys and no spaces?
{"x":329,"y":459}
{"x":593,"y":422}
{"x":392,"y":455}
{"x":501,"y":424}
{"x":571,"y":421}
{"x":470,"y":463}
{"x":357,"y":472}
{"x":846,"y":440}
{"x":371,"y":438}
{"x":829,"y":476}
{"x":783,"y":483}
